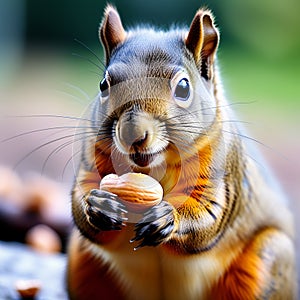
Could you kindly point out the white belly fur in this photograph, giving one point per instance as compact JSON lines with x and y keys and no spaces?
{"x":152,"y":273}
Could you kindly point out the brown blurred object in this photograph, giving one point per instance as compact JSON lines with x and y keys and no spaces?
{"x":44,"y":239}
{"x":46,"y":198}
{"x":34,"y":200}
{"x":28,"y":289}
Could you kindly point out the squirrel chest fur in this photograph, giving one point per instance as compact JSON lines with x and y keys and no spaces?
{"x":222,"y":229}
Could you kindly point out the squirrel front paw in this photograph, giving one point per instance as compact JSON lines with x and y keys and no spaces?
{"x":156,"y":226}
{"x":104,"y":211}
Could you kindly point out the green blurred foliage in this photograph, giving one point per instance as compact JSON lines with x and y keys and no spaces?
{"x":266,"y":26}
{"x":269,"y":27}
{"x":259,"y":39}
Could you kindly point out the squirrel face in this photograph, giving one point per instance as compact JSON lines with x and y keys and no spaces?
{"x":157,"y":98}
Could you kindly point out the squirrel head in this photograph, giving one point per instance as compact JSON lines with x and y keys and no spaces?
{"x":157,"y":95}
{"x":202,"y":38}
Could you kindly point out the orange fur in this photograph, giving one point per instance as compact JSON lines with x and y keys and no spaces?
{"x":88,"y":275}
{"x":250,"y":274}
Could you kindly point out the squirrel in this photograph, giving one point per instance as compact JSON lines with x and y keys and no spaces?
{"x":223,"y":229}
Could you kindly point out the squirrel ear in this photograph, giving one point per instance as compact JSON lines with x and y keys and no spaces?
{"x":111,"y":31}
{"x":202,"y":40}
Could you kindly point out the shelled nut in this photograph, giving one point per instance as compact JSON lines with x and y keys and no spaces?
{"x":137,"y":191}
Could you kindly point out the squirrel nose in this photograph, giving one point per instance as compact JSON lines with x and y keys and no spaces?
{"x":132,"y":136}
{"x":133,"y":132}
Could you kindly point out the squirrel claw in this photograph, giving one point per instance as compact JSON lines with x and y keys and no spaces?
{"x":104,"y":211}
{"x":156,"y":226}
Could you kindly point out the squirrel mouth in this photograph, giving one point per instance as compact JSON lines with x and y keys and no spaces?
{"x":142,"y":159}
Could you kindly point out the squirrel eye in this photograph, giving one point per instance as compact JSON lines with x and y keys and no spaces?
{"x":104,"y":88}
{"x":182,"y":90}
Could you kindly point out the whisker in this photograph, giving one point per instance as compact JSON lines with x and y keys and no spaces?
{"x":123,"y":164}
{"x":88,"y":59}
{"x":107,"y":145}
{"x":179,"y":141}
{"x":229,"y":105}
{"x":207,"y":108}
{"x":208,"y":122}
{"x":66,"y":144}
{"x":236,"y":103}
{"x":68,"y":162}
{"x":88,"y":48}
{"x":77,"y":99}
{"x":256,"y":141}
{"x":46,"y":129}
{"x":185,"y":130}
{"x":52,"y":116}
{"x":245,"y":137}
{"x":98,"y":74}
{"x":42,"y":146}
{"x":78,"y":89}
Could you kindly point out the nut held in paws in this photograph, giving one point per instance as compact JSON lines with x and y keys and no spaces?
{"x":137,"y":191}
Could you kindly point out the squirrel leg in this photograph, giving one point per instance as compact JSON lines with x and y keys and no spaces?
{"x":98,"y":217}
{"x":88,"y":276}
{"x":264,"y":270}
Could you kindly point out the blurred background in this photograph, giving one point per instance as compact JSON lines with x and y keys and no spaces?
{"x":45,"y":71}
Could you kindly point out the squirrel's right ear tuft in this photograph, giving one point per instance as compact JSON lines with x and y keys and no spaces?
{"x":111,"y":31}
